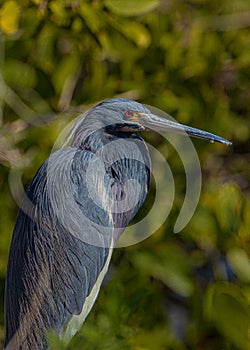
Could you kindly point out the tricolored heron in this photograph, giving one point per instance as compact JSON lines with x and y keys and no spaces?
{"x":75,"y":209}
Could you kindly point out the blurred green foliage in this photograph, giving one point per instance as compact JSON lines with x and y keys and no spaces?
{"x":189,"y":58}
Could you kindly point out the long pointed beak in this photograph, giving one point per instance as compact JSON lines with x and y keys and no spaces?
{"x":153,"y":122}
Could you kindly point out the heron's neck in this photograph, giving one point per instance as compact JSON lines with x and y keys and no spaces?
{"x":99,"y":139}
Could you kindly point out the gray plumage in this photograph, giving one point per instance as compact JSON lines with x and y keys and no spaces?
{"x":75,"y":210}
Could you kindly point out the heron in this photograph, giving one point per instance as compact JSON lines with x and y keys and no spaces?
{"x":75,"y":209}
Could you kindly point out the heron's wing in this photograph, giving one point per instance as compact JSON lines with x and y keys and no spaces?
{"x":52,"y":269}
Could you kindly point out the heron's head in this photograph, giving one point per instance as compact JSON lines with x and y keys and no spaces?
{"x":125,"y":115}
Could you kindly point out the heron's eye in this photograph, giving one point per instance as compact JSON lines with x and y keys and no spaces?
{"x":129,"y":114}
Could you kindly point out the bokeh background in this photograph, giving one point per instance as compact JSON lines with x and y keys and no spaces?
{"x":189,"y":290}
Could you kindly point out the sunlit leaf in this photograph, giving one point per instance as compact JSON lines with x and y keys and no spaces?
{"x":138,"y":33}
{"x":90,"y":16}
{"x":9,"y":17}
{"x":59,"y":12}
{"x":131,"y":8}
{"x":240,"y":263}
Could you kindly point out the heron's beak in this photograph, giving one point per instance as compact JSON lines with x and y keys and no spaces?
{"x":153,"y":122}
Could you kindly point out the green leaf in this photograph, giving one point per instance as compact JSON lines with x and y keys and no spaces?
{"x":231,"y":202}
{"x":91,"y":17}
{"x":137,"y":33}
{"x":240,"y":263}
{"x":228,"y":309}
{"x":18,"y":74}
{"x":68,"y":67}
{"x":9,"y":17}
{"x":45,"y":45}
{"x":131,"y":8}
